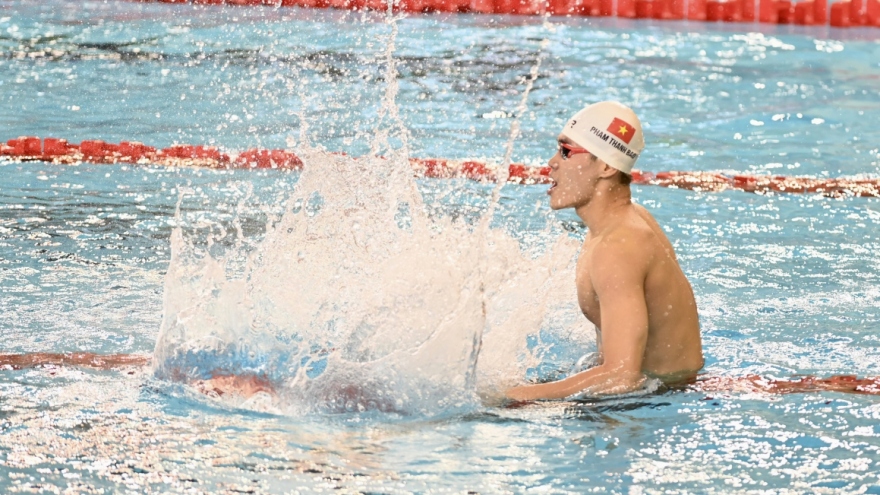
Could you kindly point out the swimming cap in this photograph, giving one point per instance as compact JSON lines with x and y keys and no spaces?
{"x":610,"y":131}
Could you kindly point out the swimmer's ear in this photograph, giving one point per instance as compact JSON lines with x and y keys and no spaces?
{"x":606,"y":171}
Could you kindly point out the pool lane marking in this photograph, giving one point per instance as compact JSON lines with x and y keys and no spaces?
{"x":841,"y":14}
{"x":59,"y":151}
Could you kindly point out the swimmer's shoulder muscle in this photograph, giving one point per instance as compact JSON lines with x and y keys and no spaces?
{"x":652,"y":224}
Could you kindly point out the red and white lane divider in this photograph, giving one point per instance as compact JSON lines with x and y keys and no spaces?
{"x":843,"y":13}
{"x":59,"y":151}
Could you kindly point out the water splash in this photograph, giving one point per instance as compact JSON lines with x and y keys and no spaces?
{"x":358,"y":299}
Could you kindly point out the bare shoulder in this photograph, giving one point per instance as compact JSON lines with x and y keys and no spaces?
{"x":663,"y":242}
{"x":623,"y":253}
{"x":645,"y":215}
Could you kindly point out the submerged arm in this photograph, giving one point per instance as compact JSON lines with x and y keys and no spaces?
{"x":617,"y":272}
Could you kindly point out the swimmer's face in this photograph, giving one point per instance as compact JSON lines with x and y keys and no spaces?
{"x":574,"y":176}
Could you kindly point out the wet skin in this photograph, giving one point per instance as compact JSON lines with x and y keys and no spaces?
{"x":629,"y":285}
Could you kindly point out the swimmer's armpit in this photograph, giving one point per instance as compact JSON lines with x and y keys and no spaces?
{"x":81,"y":359}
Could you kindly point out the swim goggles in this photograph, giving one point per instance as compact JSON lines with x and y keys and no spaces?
{"x":567,"y":150}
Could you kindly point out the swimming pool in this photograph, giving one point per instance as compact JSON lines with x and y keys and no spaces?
{"x":787,"y":284}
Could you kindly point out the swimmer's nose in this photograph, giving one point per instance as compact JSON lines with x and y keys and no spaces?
{"x":554,"y":161}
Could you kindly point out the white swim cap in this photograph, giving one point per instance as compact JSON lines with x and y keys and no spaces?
{"x":609,"y":130}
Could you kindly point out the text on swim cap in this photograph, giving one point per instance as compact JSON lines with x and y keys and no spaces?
{"x":615,"y":143}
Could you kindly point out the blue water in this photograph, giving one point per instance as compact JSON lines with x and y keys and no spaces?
{"x":786,"y":284}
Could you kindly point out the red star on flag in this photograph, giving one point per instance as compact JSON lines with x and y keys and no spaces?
{"x":621,"y":130}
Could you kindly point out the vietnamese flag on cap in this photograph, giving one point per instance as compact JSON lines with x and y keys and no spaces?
{"x":622,"y":130}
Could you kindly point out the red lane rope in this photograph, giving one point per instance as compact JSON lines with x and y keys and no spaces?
{"x":59,"y":151}
{"x":804,"y":384}
{"x":706,"y":383}
{"x":844,"y":13}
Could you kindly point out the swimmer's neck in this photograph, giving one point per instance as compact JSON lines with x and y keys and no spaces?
{"x":605,"y":208}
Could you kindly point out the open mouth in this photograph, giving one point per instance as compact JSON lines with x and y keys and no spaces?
{"x":552,"y":186}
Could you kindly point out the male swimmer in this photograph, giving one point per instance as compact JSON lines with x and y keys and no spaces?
{"x":629,"y":283}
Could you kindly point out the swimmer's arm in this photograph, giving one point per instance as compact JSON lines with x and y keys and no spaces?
{"x":619,"y":284}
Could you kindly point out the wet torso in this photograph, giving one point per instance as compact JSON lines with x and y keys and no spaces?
{"x":673,"y":351}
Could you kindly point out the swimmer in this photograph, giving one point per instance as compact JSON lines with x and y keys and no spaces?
{"x":629,"y":282}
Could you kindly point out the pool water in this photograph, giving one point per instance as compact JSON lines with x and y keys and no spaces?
{"x":786,"y":284}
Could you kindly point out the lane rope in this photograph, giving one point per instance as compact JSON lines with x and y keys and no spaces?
{"x":707,"y":384}
{"x":841,"y":14}
{"x":59,"y":151}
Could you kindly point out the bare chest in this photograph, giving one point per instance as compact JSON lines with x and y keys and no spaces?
{"x":588,"y":300}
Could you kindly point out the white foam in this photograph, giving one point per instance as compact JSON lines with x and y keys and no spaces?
{"x":356,"y":299}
